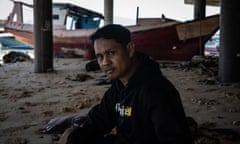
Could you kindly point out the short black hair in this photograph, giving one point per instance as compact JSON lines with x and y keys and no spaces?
{"x":113,"y":31}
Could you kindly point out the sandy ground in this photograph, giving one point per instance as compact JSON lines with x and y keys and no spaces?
{"x":28,"y":100}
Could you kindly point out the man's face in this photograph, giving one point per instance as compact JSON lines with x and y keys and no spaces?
{"x":113,"y":58}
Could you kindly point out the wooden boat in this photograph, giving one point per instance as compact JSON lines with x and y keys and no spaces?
{"x":161,"y":38}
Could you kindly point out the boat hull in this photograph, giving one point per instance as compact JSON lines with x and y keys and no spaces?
{"x":164,"y":44}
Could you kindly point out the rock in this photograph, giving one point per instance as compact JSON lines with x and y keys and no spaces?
{"x":13,"y":57}
{"x":92,"y":65}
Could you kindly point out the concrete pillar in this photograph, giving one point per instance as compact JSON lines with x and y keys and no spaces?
{"x":43,"y":41}
{"x":108,"y":12}
{"x":199,"y":9}
{"x":229,"y":60}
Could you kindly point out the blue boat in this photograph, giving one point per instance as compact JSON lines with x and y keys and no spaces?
{"x":8,"y":41}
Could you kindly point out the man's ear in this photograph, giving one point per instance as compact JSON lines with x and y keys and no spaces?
{"x":131,"y":49}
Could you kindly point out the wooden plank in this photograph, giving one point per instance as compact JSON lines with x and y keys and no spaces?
{"x":208,"y":2}
{"x":197,"y":28}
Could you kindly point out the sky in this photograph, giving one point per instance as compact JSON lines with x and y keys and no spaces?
{"x":125,"y":10}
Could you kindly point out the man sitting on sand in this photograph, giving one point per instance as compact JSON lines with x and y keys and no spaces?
{"x":141,"y":104}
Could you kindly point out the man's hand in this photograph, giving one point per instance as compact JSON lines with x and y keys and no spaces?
{"x":65,"y":135}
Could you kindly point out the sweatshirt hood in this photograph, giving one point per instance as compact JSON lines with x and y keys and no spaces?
{"x":148,"y":68}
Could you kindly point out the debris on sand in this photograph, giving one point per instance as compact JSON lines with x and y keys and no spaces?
{"x":14,"y":56}
{"x":80,"y":77}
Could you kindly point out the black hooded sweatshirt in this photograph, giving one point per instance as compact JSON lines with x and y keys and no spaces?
{"x":146,"y":111}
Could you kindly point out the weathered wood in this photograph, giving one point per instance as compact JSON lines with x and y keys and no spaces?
{"x":197,"y":28}
{"x":208,"y":2}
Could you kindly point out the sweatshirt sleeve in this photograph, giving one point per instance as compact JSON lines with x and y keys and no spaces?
{"x":103,"y":116}
{"x":101,"y":120}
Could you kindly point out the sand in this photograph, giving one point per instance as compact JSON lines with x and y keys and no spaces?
{"x":28,"y":100}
